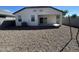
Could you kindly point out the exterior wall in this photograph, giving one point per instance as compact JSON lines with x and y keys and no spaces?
{"x":60,"y":20}
{"x":26,"y":15}
{"x":51,"y":19}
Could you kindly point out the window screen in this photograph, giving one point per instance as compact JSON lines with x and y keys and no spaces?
{"x":32,"y":18}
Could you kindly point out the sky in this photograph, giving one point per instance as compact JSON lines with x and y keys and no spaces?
{"x":71,"y":9}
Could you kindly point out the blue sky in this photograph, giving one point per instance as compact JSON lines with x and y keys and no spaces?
{"x":71,"y":9}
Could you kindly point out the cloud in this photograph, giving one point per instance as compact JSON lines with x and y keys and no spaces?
{"x":8,"y":11}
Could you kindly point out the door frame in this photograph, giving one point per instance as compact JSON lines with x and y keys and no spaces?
{"x":42,"y":20}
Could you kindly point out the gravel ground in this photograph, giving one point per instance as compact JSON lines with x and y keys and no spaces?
{"x":45,"y":40}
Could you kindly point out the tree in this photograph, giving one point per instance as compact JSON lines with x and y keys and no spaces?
{"x":65,"y":12}
{"x":74,"y":16}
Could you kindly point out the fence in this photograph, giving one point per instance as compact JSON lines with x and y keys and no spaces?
{"x":74,"y":22}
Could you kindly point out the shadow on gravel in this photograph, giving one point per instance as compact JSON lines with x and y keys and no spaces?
{"x":71,"y":26}
{"x":10,"y":25}
{"x":27,"y":28}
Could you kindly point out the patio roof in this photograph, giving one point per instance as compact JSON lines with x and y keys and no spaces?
{"x":6,"y":13}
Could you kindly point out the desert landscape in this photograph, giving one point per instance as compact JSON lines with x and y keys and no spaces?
{"x":40,"y":40}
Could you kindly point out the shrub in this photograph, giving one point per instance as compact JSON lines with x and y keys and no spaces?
{"x":74,"y":16}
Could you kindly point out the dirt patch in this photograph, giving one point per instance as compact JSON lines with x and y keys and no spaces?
{"x":45,"y":40}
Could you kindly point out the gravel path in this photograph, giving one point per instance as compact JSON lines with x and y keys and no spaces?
{"x":47,"y":40}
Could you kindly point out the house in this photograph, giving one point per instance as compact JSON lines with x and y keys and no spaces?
{"x":39,"y":16}
{"x":6,"y":16}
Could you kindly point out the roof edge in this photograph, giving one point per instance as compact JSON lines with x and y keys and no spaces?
{"x":38,"y":7}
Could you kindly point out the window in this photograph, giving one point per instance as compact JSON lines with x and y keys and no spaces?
{"x":41,"y":10}
{"x":19,"y":18}
{"x":2,"y":16}
{"x":32,"y":18}
{"x":34,"y":10}
{"x":43,"y":20}
{"x":58,"y":16}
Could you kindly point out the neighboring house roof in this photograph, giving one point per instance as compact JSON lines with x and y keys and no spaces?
{"x":38,"y":7}
{"x":6,"y":13}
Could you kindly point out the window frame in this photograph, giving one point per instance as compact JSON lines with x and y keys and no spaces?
{"x":34,"y":10}
{"x":19,"y":18}
{"x":58,"y":17}
{"x":32,"y":18}
{"x":41,"y":10}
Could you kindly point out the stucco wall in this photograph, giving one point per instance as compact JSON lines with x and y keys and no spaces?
{"x":51,"y":19}
{"x":26,"y":15}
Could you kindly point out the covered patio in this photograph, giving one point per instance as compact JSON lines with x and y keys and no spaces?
{"x":48,"y":20}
